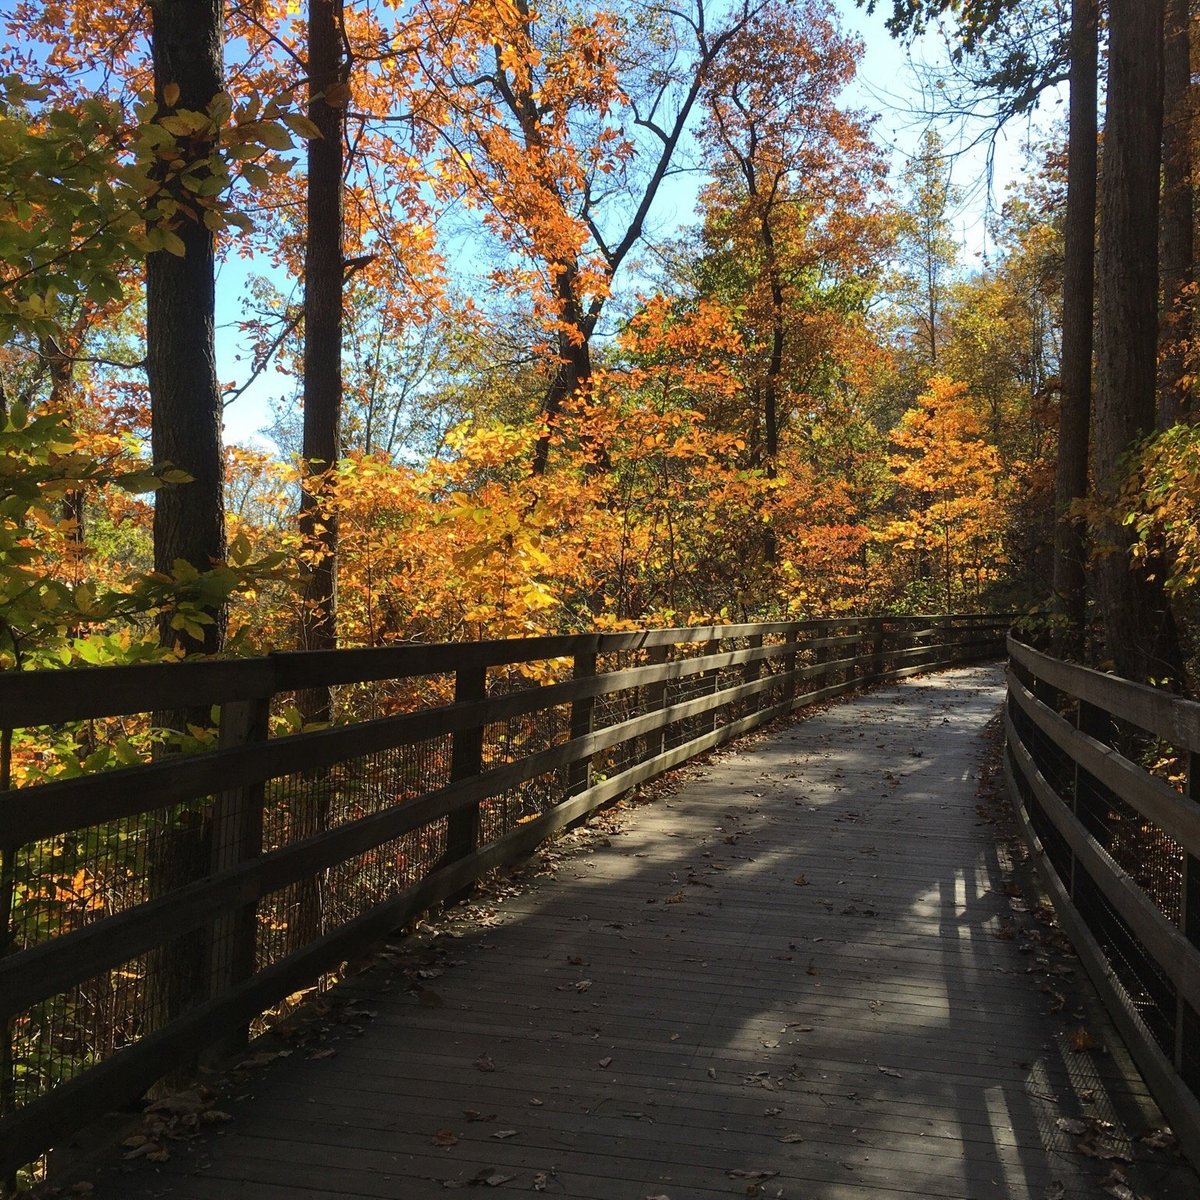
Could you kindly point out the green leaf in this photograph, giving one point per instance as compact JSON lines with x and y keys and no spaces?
{"x":300,"y":125}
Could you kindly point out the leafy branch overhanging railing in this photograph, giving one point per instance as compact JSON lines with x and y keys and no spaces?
{"x":160,"y":909}
{"x":1105,"y":774}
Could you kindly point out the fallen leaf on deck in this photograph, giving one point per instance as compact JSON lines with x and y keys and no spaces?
{"x":444,"y":1138}
{"x":501,"y":1134}
{"x":604,"y":1062}
{"x":1103,"y":1153}
{"x":147,"y":1149}
{"x":583,"y":985}
{"x":889,"y":1071}
{"x":792,"y":1137}
{"x":484,"y":1063}
{"x":1159,"y":1139}
{"x":800,"y":881}
{"x":490,"y":1177}
{"x":259,"y":1060}
{"x":1072,"y":1125}
{"x":1082,"y":1040}
{"x":1115,"y":1184}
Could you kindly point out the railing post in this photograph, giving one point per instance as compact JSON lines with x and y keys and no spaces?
{"x":710,"y":682}
{"x":583,"y":721}
{"x":752,"y":670}
{"x":1187,"y":1020}
{"x":789,"y":663}
{"x":820,"y":656}
{"x":941,"y":638}
{"x":237,"y":837}
{"x":876,"y":648}
{"x":466,"y":761}
{"x":1096,"y":723}
{"x":656,"y":699}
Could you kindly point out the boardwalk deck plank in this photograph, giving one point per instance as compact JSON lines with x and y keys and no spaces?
{"x":809,"y":939}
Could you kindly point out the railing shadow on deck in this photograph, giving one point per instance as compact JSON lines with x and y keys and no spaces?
{"x":1105,"y":776}
{"x":166,"y":908}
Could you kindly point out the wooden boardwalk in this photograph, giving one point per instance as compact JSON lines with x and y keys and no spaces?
{"x":801,"y":975}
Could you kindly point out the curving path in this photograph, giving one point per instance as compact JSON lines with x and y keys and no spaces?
{"x":800,"y":975}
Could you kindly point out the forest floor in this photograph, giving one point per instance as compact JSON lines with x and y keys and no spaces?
{"x":817,"y":968}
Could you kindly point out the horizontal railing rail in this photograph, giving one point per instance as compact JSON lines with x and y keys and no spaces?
{"x":1106,"y":777}
{"x":163,"y":907}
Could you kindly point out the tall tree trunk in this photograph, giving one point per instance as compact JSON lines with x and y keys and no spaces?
{"x":1176,"y":234}
{"x":61,"y":368}
{"x":574,"y":367}
{"x":931,"y":299}
{"x":185,"y":398}
{"x":1079,"y":294}
{"x":1137,"y":624}
{"x":185,"y":404}
{"x":323,"y":271}
{"x":774,"y":373}
{"x":775,"y":361}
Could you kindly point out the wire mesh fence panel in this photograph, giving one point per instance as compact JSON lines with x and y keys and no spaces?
{"x":78,"y":881}
{"x":1144,"y":980}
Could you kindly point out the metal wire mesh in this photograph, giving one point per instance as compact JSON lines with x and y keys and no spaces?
{"x":68,"y":883}
{"x":1149,"y":988}
{"x":1189,"y":1067}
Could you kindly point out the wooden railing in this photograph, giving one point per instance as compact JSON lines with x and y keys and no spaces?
{"x":1107,"y":776}
{"x":159,"y":908}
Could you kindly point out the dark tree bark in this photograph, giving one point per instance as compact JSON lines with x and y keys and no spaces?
{"x":1079,"y":279}
{"x":323,"y":273}
{"x":189,"y":519}
{"x":1137,"y":624}
{"x":775,"y":361}
{"x":574,"y":368}
{"x":185,"y":398}
{"x":60,"y":367}
{"x":1176,"y":234}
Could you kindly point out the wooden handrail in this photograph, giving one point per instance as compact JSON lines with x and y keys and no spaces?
{"x":1077,"y":740}
{"x":687,"y":691}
